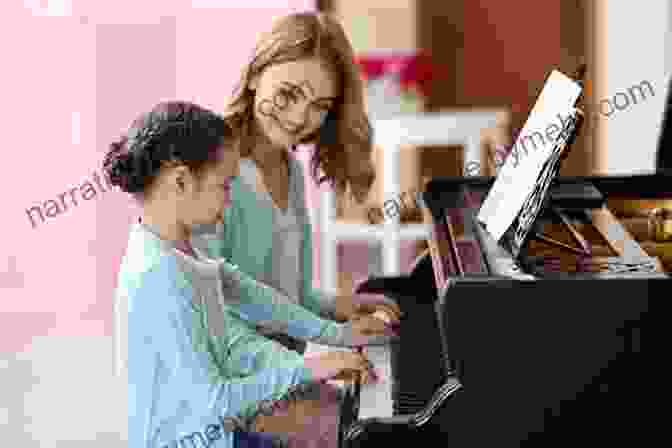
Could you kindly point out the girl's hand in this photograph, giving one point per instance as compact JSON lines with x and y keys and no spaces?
{"x":341,"y":365}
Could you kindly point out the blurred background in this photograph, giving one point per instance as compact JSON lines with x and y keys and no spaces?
{"x":455,"y":58}
{"x":76,"y":72}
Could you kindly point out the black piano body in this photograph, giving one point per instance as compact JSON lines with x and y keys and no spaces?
{"x":542,"y":356}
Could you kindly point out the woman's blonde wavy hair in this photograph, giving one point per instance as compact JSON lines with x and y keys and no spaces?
{"x":343,"y":144}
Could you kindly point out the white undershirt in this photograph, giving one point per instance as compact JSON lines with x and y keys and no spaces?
{"x":283,"y":268}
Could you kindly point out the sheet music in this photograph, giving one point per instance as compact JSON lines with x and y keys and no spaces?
{"x":533,"y":146}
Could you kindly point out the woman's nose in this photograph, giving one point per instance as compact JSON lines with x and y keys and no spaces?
{"x":296,"y":114}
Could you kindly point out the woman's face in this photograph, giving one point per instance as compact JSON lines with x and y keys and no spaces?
{"x":292,"y":100}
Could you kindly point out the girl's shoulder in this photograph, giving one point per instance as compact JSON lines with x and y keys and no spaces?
{"x":149,"y":260}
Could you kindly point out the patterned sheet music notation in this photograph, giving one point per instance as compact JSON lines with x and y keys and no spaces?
{"x":534,"y":202}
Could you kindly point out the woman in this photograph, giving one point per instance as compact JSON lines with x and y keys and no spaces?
{"x":194,"y":370}
{"x":302,"y":86}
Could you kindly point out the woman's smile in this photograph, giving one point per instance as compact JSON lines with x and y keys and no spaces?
{"x":291,"y":130}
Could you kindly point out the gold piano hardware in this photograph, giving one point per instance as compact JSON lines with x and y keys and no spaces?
{"x":660,"y":224}
{"x":636,"y":208}
{"x":663,"y":251}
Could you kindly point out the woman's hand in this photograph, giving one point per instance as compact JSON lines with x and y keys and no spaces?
{"x":352,"y":307}
{"x":341,"y":365}
{"x":370,"y":324}
{"x":368,"y":330}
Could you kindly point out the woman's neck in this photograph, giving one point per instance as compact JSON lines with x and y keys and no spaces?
{"x":269,"y":159}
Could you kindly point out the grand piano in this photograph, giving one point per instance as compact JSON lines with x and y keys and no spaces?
{"x":550,"y":335}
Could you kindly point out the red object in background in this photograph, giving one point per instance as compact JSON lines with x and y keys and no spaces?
{"x":415,"y":69}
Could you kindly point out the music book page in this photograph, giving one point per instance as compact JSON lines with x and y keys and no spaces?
{"x":532,"y":148}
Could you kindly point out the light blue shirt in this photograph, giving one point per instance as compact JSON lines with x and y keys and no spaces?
{"x":172,"y":398}
{"x":187,"y":377}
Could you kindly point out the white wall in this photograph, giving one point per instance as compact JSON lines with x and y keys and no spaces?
{"x":634,"y":47}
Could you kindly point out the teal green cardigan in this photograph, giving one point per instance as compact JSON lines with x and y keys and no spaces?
{"x":245,"y":239}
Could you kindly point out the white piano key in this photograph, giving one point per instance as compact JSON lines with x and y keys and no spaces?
{"x":376,"y":399}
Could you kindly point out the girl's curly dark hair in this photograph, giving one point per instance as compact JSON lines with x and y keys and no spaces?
{"x":174,"y":131}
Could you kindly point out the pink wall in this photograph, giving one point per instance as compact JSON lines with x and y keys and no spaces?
{"x":104,"y":69}
{"x":72,"y":79}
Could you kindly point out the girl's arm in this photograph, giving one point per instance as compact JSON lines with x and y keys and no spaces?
{"x":172,"y":392}
{"x":262,"y":305}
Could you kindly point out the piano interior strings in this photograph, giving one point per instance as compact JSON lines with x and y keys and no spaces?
{"x":561,"y":228}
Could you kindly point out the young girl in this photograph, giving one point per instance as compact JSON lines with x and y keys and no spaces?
{"x":195,"y":371}
{"x":301,"y":86}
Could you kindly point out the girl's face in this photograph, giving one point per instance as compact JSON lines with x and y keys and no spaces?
{"x":292,"y":100}
{"x":210,"y":194}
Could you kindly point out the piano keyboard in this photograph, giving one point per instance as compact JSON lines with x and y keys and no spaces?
{"x":375,"y":399}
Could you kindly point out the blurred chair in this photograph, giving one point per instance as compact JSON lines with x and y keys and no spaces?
{"x":462,"y":128}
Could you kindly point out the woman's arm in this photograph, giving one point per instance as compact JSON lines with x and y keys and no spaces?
{"x":262,"y":305}
{"x":336,"y":307}
{"x":321,"y":303}
{"x":210,"y":240}
{"x":172,"y":393}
